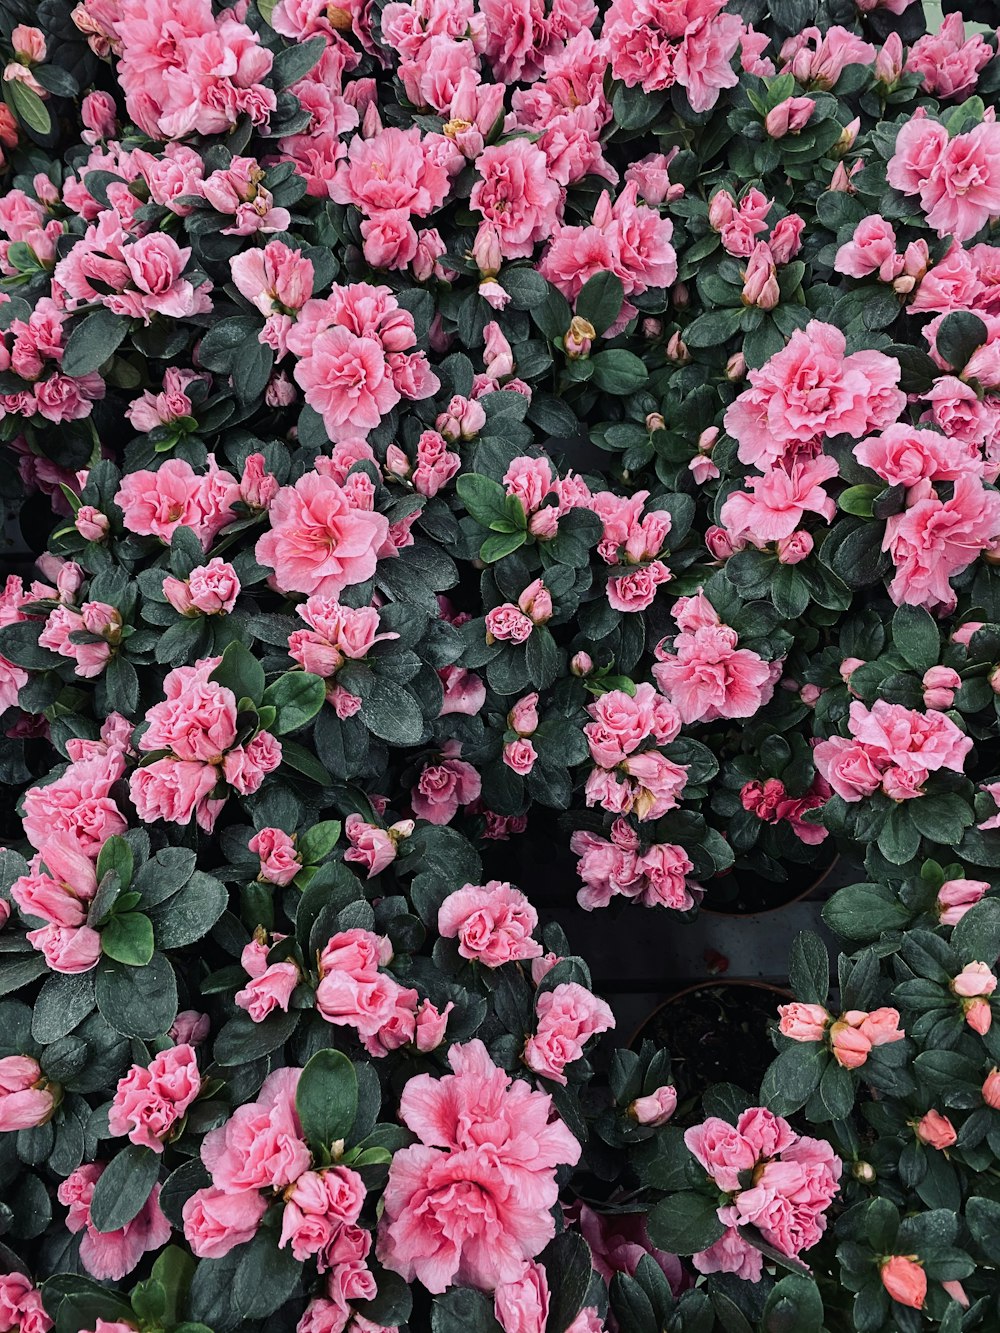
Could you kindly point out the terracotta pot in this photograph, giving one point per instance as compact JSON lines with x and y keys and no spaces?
{"x":810,"y":888}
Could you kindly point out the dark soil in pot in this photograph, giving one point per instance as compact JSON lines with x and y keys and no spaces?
{"x":747,"y":893}
{"x":716,"y":1032}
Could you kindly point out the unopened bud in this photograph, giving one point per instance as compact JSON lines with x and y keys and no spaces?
{"x":578,"y":338}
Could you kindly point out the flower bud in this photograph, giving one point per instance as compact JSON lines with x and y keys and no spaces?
{"x":939,"y":684}
{"x":536,"y":602}
{"x":721,"y":209}
{"x":809,"y":694}
{"x":760,"y":279}
{"x":789,"y":117}
{"x":795,"y":547}
{"x":736,"y":367}
{"x":676,"y":350}
{"x":848,"y":136}
{"x":708,"y":439}
{"x":721,"y":544}
{"x":905,"y":1280}
{"x":582,"y":664}
{"x":803,"y":1022}
{"x":936,"y":1130}
{"x":991,"y":1089}
{"x":956,"y":896}
{"x":486,"y":250}
{"x":655,"y":421}
{"x":978,"y":1015}
{"x":974,"y":980}
{"x":657,"y":1108}
{"x":652,"y":328}
{"x":544,"y":523}
{"x":91,"y":524}
{"x":578,"y":338}
{"x":889,"y":61}
{"x":863,"y":1172}
{"x":680,"y":295}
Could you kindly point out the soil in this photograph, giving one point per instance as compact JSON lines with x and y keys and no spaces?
{"x":715,"y":1034}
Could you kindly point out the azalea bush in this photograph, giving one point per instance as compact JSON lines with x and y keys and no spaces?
{"x":470,"y":454}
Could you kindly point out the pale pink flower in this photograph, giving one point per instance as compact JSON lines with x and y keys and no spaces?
{"x":493,"y":923}
{"x":568,"y":1016}
{"x":151,"y":1099}
{"x":442,"y":788}
{"x":112,"y":1254}
{"x":516,"y":194}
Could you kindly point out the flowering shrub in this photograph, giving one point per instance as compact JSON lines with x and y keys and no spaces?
{"x":471,"y":445}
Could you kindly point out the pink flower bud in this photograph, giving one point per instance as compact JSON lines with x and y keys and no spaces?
{"x":978,"y":1015}
{"x":905,"y":1280}
{"x":721,"y":210}
{"x":848,"y":137}
{"x":396,"y":462}
{"x":652,"y":328}
{"x":936,"y":1130}
{"x":991,"y":1089}
{"x":91,"y":524}
{"x":523,"y":717}
{"x":916,"y":259}
{"x":939,"y":684}
{"x":789,"y":117}
{"x":536,"y":602}
{"x":178,"y":594}
{"x":463,"y":420}
{"x":486,"y":250}
{"x":848,"y":667}
{"x":544,"y":523}
{"x":707,"y":439}
{"x":190,"y":1028}
{"x":809,"y":694}
{"x":581,"y":664}
{"x":956,"y":896}
{"x":974,"y":980}
{"x":431,"y":1026}
{"x":657,"y":1108}
{"x":760,"y":279}
{"x":850,"y":1047}
{"x":965,"y":632}
{"x":736,"y":367}
{"x":721,"y":544}
{"x":655,"y":421}
{"x":25,"y":1099}
{"x":795,"y":547}
{"x":680,"y":295}
{"x":889,"y":61}
{"x":786,"y":238}
{"x":97,"y":111}
{"x":28,"y":44}
{"x":676,"y":350}
{"x":520,"y":756}
{"x":257,"y":487}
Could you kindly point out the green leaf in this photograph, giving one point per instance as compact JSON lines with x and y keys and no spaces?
{"x":864,"y":911}
{"x":137,"y":1001}
{"x":392,"y":713}
{"x":27,"y":106}
{"x":463,"y":1310}
{"x":500,"y":544}
{"x":983,"y":1218}
{"x":318,"y":841}
{"x":714,"y":327}
{"x":240,"y":672}
{"x":93,"y":340}
{"x":327,"y":1099}
{"x":265,"y":1278}
{"x":292,"y":63}
{"x":685,"y":1223}
{"x":809,"y":968}
{"x":187,"y":916}
{"x":618,"y":372}
{"x":793,"y":1077}
{"x":128,"y":939}
{"x":942,"y":819}
{"x":297,"y":697}
{"x":242,"y":1040}
{"x":976,"y":938}
{"x":568,"y":1264}
{"x":116,"y":855}
{"x":858,"y":500}
{"x":19,"y":644}
{"x":793,"y":1305}
{"x":486,"y":500}
{"x":124,"y":1186}
{"x":916,"y":637}
{"x":304,"y":761}
{"x":600,"y":302}
{"x":959,"y":335}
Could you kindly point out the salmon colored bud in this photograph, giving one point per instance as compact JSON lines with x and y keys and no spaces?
{"x":975,"y":979}
{"x":978,"y":1015}
{"x":881,"y":1026}
{"x":657,"y":1108}
{"x":850,"y":1047}
{"x":936,"y":1130}
{"x":957,"y":1293}
{"x":655,"y":421}
{"x":582,"y":664}
{"x":956,"y":896}
{"x":889,"y":61}
{"x":905,"y":1280}
{"x":991,"y":1089}
{"x":803,"y":1022}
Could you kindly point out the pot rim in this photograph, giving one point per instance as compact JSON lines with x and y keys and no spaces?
{"x":769,"y":911}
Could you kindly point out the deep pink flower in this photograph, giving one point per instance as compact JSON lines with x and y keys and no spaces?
{"x":493,"y":923}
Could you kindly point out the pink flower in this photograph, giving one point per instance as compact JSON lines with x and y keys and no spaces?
{"x":25,"y":1098}
{"x":692,"y":45}
{"x":111,"y":1254}
{"x":372,"y":846}
{"x":493,"y":923}
{"x":210,"y":589}
{"x":655,"y":1108}
{"x":246,"y":766}
{"x":508,"y":623}
{"x":279,"y":861}
{"x":261,"y":1145}
{"x":150,"y":1100}
{"x":568,"y":1017}
{"x":812,"y":390}
{"x":78,"y":804}
{"x":21,"y":1305}
{"x":936,"y":1130}
{"x":318,"y":542}
{"x":155,"y":504}
{"x":789,"y":116}
{"x":442,"y":788}
{"x":949,"y":64}
{"x":934,"y":539}
{"x":61,"y":892}
{"x":454,"y":1213}
{"x":958,"y":180}
{"x":175,"y":790}
{"x":516,"y":195}
{"x":197,"y":719}
{"x":974,"y":980}
{"x":872,"y":249}
{"x":431,"y":1025}
{"x":271,"y":990}
{"x":216,"y":1221}
{"x":904,"y":455}
{"x":67,"y":949}
{"x":777,"y":502}
{"x":707,"y":676}
{"x":956,"y":896}
{"x":395,"y":172}
{"x":522,"y":1306}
